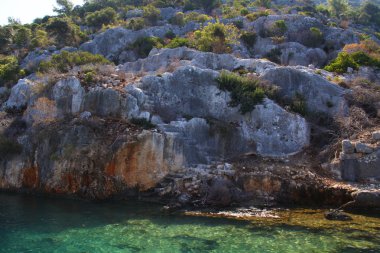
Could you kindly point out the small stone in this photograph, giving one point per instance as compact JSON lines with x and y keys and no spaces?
{"x":348,"y":147}
{"x":350,"y":70}
{"x":337,"y":215}
{"x":376,"y":136}
{"x":85,"y":115}
{"x":363,"y":148}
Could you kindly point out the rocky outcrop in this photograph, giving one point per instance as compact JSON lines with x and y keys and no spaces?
{"x":319,"y":94}
{"x":113,"y":42}
{"x":20,"y":95}
{"x":360,"y":161}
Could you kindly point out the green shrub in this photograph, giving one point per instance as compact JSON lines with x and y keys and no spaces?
{"x":23,"y":37}
{"x":178,"y":42}
{"x":249,"y":38}
{"x":244,"y":11}
{"x":353,"y":60}
{"x":278,"y":28}
{"x":142,"y":122}
{"x":143,"y":45}
{"x":8,"y":147}
{"x":264,"y":3}
{"x":274,"y":55}
{"x":8,"y":69}
{"x":315,"y":38}
{"x":216,"y":38}
{"x":207,"y":5}
{"x":64,"y":32}
{"x":299,"y":105}
{"x":244,"y":91}
{"x":178,"y":19}
{"x":136,"y":24}
{"x":239,"y":24}
{"x":65,"y":61}
{"x":103,"y":17}
{"x":151,"y":14}
{"x":40,"y":39}
{"x":170,"y":35}
{"x":253,"y":16}
{"x":196,"y":17}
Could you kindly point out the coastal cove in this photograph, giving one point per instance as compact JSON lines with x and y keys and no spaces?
{"x":36,"y":224}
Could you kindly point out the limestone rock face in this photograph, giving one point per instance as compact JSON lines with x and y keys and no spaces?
{"x":319,"y":94}
{"x":191,"y":91}
{"x":69,"y":95}
{"x":20,"y":95}
{"x":113,"y":42}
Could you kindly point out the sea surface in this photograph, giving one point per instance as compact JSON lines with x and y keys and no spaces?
{"x":43,"y":224}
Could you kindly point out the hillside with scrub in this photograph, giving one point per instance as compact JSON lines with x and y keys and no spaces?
{"x":194,"y":102}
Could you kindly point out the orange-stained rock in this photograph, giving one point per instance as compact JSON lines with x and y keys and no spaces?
{"x":266,"y":185}
{"x":110,"y":169}
{"x":30,"y":178}
{"x":144,"y":163}
{"x":70,"y":183}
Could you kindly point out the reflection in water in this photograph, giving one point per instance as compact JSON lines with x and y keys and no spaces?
{"x":31,"y":224}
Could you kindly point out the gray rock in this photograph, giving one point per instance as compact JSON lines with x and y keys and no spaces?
{"x":320,"y":95}
{"x":376,"y":136}
{"x":366,"y":198}
{"x":113,"y":42}
{"x":348,"y":147}
{"x":364,"y":168}
{"x":33,"y":59}
{"x":363,"y":148}
{"x":85,"y":115}
{"x":103,"y":102}
{"x":20,"y":95}
{"x":69,"y":95}
{"x":190,"y":91}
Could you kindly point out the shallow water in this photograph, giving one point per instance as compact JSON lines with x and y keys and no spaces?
{"x":35,"y":224}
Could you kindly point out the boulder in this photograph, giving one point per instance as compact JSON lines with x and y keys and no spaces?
{"x":361,"y":168}
{"x":192,"y":92}
{"x":113,"y":42}
{"x":20,"y":95}
{"x":103,"y":102}
{"x":319,"y":94}
{"x":69,"y":95}
{"x":376,"y":136}
{"x":369,"y":198}
{"x":363,"y":148}
{"x":348,"y":147}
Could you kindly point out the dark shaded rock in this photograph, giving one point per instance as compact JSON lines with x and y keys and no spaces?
{"x":337,"y":215}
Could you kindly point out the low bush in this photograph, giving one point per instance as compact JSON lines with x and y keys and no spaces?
{"x":65,"y":61}
{"x":8,"y":69}
{"x":196,"y":17}
{"x":249,"y":38}
{"x":103,"y":17}
{"x":178,"y":42}
{"x":143,"y":45}
{"x":178,"y":19}
{"x":245,"y":91}
{"x":352,"y":60}
{"x":274,"y":55}
{"x":136,"y":24}
{"x":143,"y":123}
{"x":253,"y":16}
{"x":216,"y":38}
{"x":151,"y":14}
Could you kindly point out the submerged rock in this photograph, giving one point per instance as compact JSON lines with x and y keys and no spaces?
{"x":337,"y":215}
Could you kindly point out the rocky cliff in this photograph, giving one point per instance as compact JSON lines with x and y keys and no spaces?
{"x":161,"y":126}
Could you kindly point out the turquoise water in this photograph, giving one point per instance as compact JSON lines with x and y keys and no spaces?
{"x":35,"y":224}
